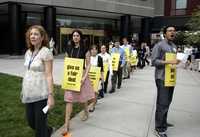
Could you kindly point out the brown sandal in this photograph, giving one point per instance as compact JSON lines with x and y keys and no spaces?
{"x":85,"y":116}
{"x":92,"y":109}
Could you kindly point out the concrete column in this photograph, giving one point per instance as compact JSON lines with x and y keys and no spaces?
{"x":125,"y":26}
{"x":145,"y":35}
{"x":50,"y":21}
{"x":14,"y":11}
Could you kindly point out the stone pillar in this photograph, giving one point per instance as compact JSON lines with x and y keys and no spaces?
{"x":145,"y":35}
{"x":14,"y":11}
{"x":125,"y":26}
{"x":50,"y":21}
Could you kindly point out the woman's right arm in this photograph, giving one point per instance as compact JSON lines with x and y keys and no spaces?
{"x":87,"y":68}
{"x":110,"y":65}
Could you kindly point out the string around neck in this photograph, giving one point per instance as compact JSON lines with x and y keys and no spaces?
{"x":72,"y":51}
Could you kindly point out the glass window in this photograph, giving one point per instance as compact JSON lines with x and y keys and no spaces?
{"x":34,"y":18}
{"x":95,"y":30}
{"x":84,"y":22}
{"x":181,"y":4}
{"x":3,"y":8}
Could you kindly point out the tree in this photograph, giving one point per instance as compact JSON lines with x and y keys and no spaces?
{"x":194,"y":22}
{"x":193,"y":37}
{"x":180,"y":38}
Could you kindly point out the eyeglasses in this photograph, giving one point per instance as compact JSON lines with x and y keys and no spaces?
{"x":171,"y":30}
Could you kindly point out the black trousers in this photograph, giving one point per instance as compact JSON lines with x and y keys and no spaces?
{"x":37,"y":120}
{"x":141,"y":62}
{"x":164,"y":99}
{"x":146,"y":60}
{"x":106,"y":82}
{"x":117,"y":76}
{"x":101,"y":91}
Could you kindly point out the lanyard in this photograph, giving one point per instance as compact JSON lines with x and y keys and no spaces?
{"x":76,"y":54}
{"x":31,"y":60}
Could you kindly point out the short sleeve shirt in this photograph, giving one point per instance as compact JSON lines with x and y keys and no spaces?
{"x":79,"y":52}
{"x":34,"y":86}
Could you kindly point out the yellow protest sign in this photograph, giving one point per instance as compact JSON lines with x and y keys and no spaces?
{"x":94,"y":75}
{"x":133,"y":60}
{"x":127,"y":53}
{"x":105,"y":70}
{"x":170,"y":71}
{"x":115,"y":61}
{"x":73,"y":71}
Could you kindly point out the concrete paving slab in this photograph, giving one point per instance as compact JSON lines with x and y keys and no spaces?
{"x":129,"y":112}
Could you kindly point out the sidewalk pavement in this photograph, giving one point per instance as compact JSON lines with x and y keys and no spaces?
{"x":15,"y":66}
{"x":129,"y":112}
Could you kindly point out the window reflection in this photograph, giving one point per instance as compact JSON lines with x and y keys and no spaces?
{"x":181,"y":4}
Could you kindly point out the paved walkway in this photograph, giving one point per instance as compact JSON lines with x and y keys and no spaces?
{"x":130,"y":111}
{"x":15,"y":66}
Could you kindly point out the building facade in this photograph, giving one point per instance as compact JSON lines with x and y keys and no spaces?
{"x":176,"y":12}
{"x":100,"y":20}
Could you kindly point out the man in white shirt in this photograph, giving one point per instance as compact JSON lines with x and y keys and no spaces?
{"x":126,"y":69}
{"x":147,"y":53}
{"x":106,"y":60}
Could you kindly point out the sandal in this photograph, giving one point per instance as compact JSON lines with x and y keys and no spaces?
{"x":85,"y":116}
{"x":92,"y":109}
{"x":65,"y":130}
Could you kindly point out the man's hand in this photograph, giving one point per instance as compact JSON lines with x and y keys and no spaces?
{"x":51,"y":43}
{"x":174,"y":62}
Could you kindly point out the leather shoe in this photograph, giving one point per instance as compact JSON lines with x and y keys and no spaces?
{"x":111,"y":91}
{"x":118,"y":87}
{"x":170,"y":125}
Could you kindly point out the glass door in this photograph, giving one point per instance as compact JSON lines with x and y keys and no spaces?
{"x":89,"y":37}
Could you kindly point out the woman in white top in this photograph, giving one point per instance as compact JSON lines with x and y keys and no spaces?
{"x":96,"y":61}
{"x":37,"y":86}
{"x":106,"y":60}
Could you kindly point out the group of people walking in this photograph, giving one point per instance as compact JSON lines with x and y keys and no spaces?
{"x":37,"y":87}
